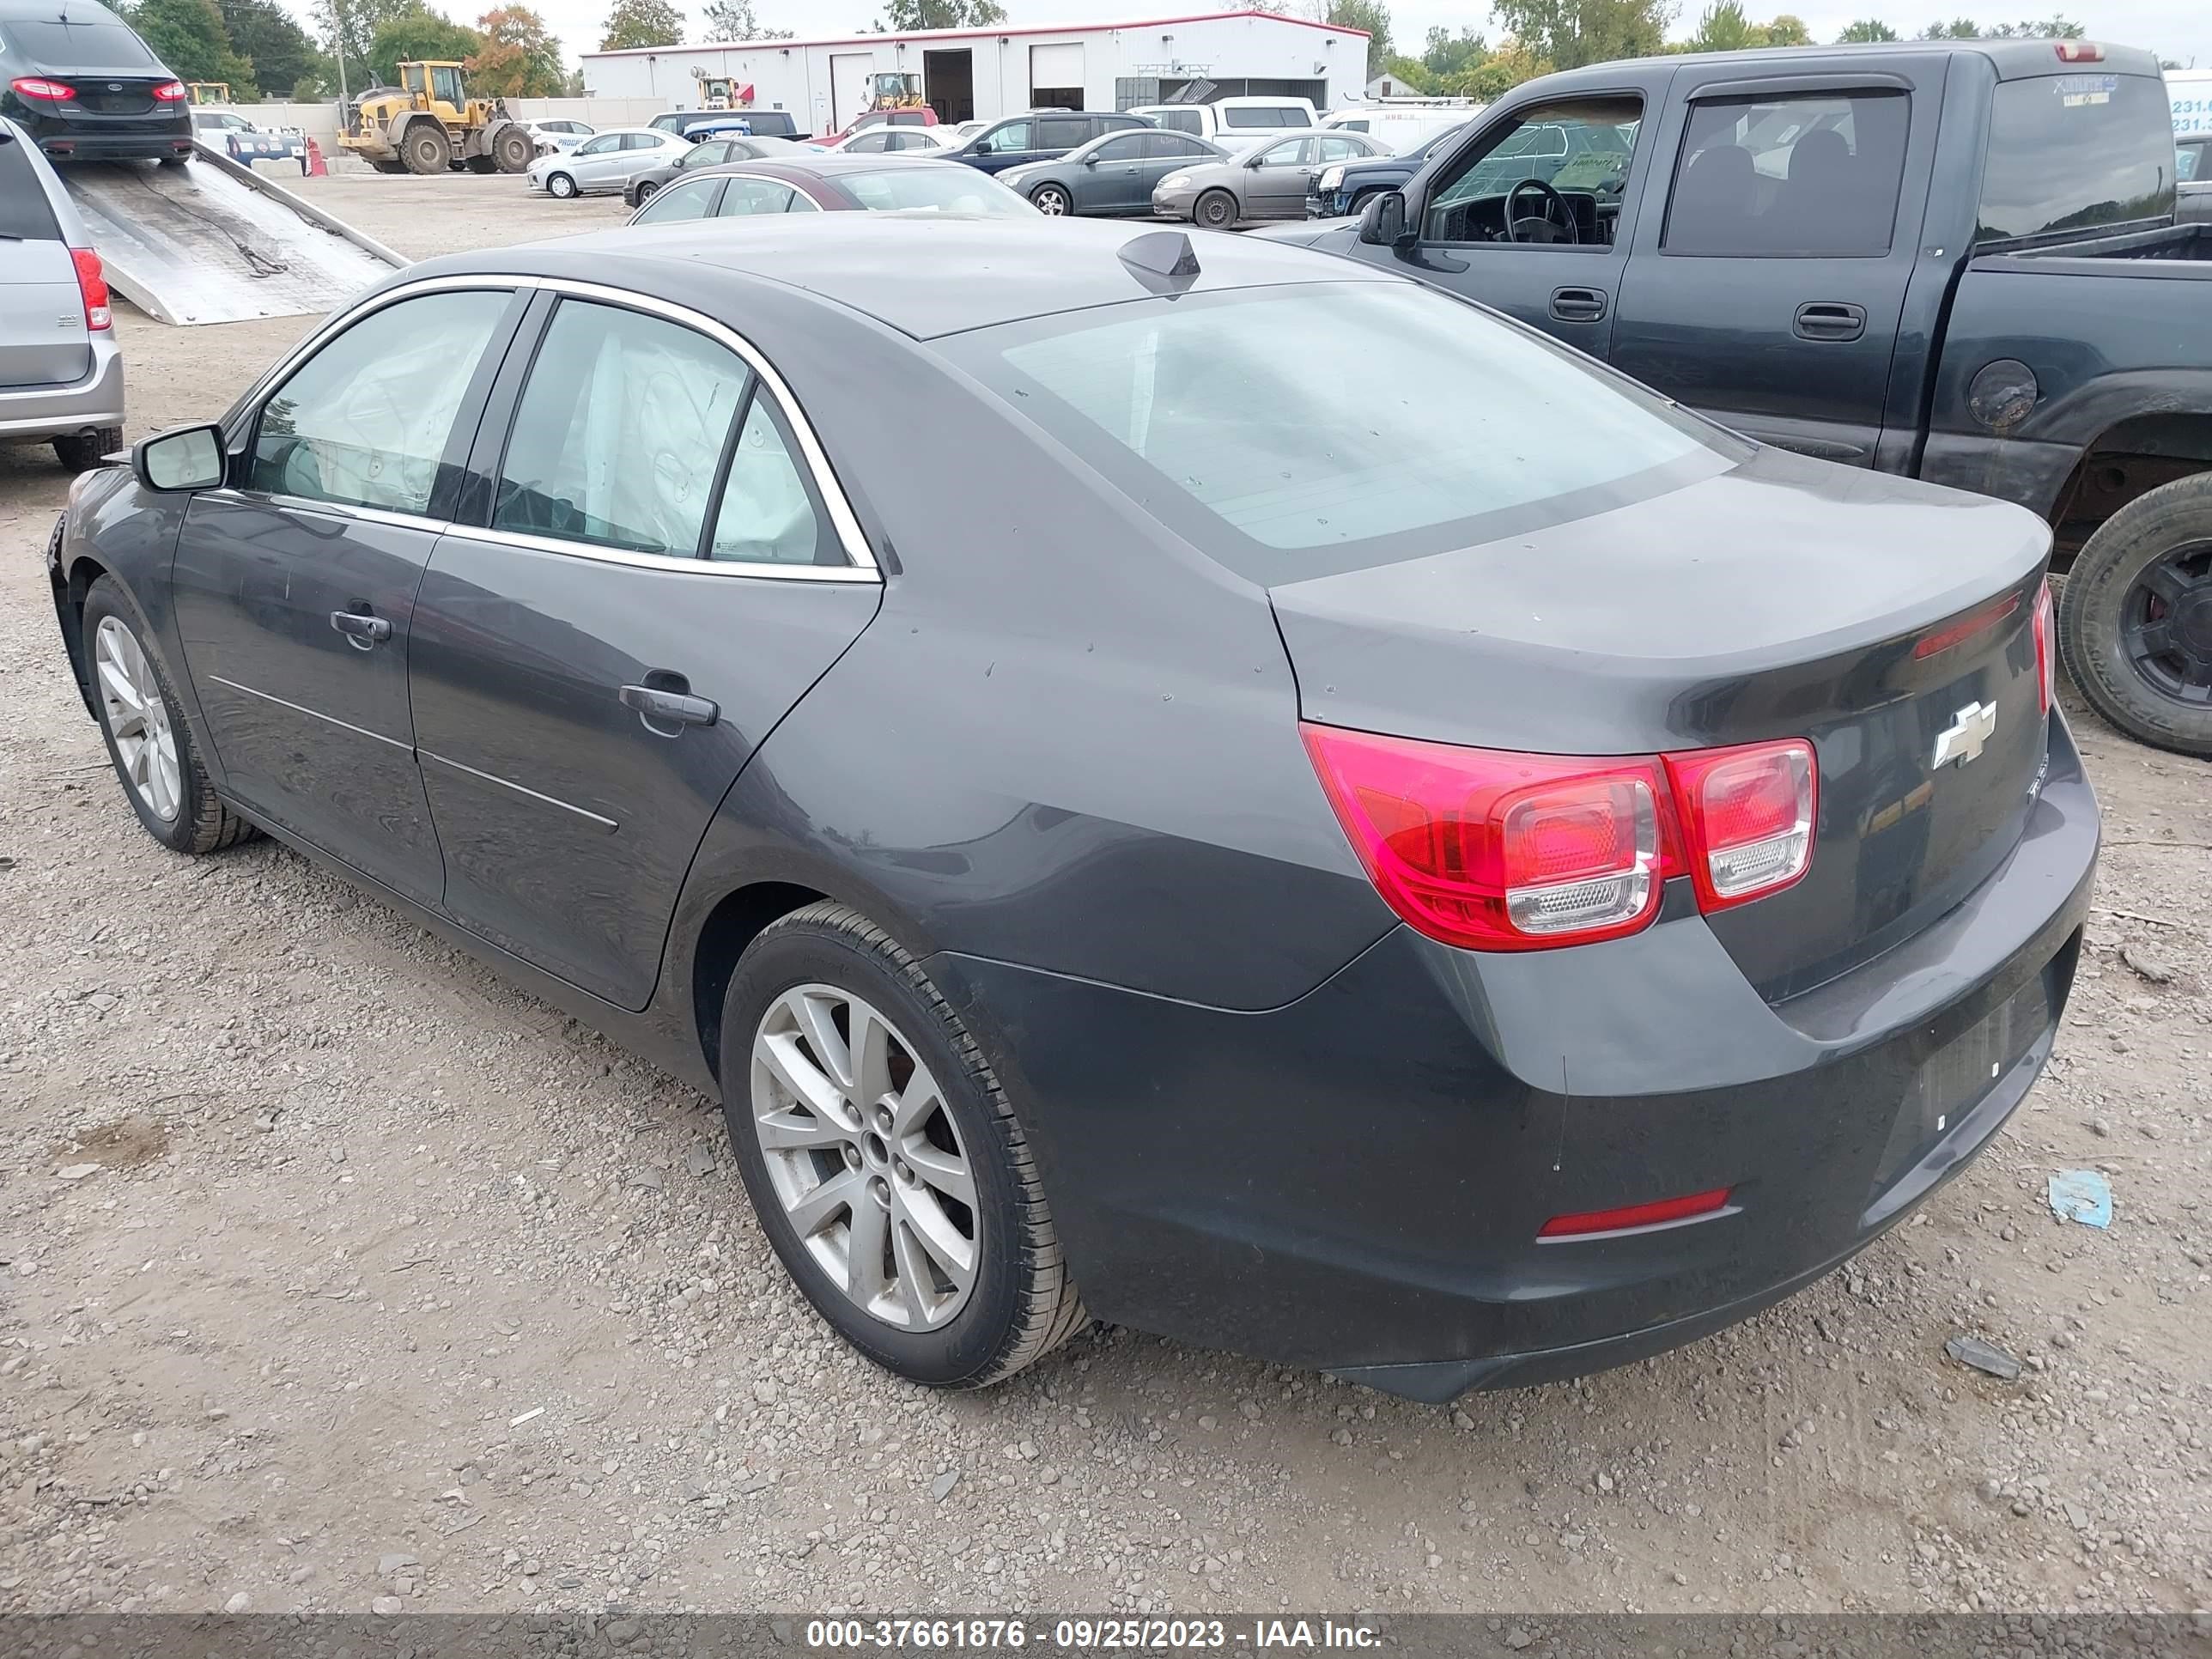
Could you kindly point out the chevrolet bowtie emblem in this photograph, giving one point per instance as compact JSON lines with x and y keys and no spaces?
{"x":1963,"y":739}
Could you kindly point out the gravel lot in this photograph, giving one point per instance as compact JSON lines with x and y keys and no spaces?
{"x":334,"y":1275}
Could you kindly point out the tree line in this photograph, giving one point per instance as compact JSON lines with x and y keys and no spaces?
{"x":1540,"y":36}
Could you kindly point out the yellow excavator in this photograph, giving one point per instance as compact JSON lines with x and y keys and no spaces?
{"x":429,"y":123}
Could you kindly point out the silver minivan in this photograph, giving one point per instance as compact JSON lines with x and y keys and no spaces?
{"x":61,"y":376}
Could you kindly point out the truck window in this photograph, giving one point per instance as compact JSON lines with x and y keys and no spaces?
{"x":1582,"y":148}
{"x":2067,"y":152}
{"x":1809,"y":177}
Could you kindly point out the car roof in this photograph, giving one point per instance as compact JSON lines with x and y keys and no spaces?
{"x":54,"y":11}
{"x":2012,"y":59}
{"x":828,"y":164}
{"x":926,"y":275}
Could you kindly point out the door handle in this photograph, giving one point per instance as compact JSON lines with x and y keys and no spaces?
{"x":678,"y":708}
{"x":1578,"y":305}
{"x":1831,"y":319}
{"x":363,"y":633}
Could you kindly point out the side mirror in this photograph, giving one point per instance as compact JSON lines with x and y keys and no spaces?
{"x":1383,"y":221}
{"x":1091,"y":161}
{"x":191,"y":458}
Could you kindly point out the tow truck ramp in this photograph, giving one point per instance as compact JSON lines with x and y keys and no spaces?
{"x":215,"y":242}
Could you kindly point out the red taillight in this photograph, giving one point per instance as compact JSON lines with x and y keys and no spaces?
{"x":1748,"y":813}
{"x":1496,"y":851}
{"x":1631,"y":1216}
{"x":47,"y":92}
{"x":171,"y":92}
{"x":91,"y":284}
{"x":2079,"y":52}
{"x":2046,"y":667}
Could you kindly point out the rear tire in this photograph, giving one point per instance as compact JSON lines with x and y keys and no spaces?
{"x":513,"y":150}
{"x":81,"y":452}
{"x":560,"y":186}
{"x":149,"y":739}
{"x":176,"y":161}
{"x":1019,"y":1301}
{"x":2153,"y":556}
{"x":1215,"y":210}
{"x":427,"y":149}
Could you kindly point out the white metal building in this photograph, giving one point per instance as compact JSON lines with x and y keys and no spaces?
{"x":981,"y":74}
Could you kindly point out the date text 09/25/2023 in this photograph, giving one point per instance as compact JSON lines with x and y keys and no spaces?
{"x":1082,"y":1635}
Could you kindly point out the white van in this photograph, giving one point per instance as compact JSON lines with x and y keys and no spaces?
{"x":1401,"y":126}
{"x":1235,"y":123}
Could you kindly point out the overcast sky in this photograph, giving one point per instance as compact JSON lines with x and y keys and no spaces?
{"x":2175,"y":28}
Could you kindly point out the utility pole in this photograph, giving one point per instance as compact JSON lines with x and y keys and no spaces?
{"x":337,"y":50}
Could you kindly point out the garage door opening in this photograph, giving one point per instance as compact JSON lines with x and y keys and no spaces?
{"x":948,"y":84}
{"x":1056,"y":76}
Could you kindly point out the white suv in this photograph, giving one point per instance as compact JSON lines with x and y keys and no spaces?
{"x":1234,"y":123}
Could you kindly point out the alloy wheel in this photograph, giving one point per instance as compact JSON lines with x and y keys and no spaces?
{"x":1051,"y":203}
{"x":138,"y":720}
{"x":862,"y":1152}
{"x":2167,"y":622}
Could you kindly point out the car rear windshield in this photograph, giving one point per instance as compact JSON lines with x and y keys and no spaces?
{"x":1293,"y":432}
{"x":2070,"y":152}
{"x":1264,"y":115}
{"x":929,"y":186}
{"x":24,"y":214}
{"x":53,"y":43}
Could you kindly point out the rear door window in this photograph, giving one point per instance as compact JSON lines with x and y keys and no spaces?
{"x":619,"y":431}
{"x":1061,"y":133}
{"x":25,"y":215}
{"x":747,"y":196}
{"x":1812,"y":176}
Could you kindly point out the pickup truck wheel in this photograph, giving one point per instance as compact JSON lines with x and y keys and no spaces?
{"x":2135,"y":625}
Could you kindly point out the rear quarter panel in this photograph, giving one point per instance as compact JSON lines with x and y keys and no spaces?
{"x":2106,"y":340}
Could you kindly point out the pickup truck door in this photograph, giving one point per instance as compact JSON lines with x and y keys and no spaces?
{"x":1591,"y":149}
{"x":1767,"y":295}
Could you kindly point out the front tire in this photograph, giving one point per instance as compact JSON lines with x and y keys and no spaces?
{"x":560,"y":186}
{"x":81,"y":451}
{"x":1216,"y":210}
{"x":1051,"y":200}
{"x":427,"y":149}
{"x":148,"y":740}
{"x":883,"y":1159}
{"x":2135,"y":623}
{"x":642,"y":192}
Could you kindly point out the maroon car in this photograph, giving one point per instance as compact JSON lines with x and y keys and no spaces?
{"x":833,"y":184}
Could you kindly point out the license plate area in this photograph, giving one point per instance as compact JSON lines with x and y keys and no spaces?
{"x":1954,"y":1077}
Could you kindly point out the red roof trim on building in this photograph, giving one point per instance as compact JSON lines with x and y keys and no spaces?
{"x":978,"y":34}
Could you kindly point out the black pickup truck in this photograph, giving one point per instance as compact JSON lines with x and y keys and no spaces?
{"x":1958,"y":261}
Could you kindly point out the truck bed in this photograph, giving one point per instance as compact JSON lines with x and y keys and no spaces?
{"x":2187,"y":245}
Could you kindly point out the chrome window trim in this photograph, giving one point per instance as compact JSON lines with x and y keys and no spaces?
{"x":842,"y":519}
{"x":234,"y":496}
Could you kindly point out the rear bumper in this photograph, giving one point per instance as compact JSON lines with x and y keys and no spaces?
{"x":1357,"y":1182}
{"x":91,"y":138}
{"x":57,"y":412}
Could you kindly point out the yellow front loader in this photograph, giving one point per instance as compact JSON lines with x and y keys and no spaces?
{"x":429,"y":123}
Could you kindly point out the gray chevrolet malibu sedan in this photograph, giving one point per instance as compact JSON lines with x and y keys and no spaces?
{"x":1476,"y":893}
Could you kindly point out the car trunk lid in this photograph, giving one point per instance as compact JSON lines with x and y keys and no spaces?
{"x":1889,"y":623}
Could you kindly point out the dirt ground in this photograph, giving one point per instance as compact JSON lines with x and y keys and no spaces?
{"x":335,"y":1274}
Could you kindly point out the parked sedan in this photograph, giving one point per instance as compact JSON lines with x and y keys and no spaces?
{"x":1110,"y":175}
{"x":81,"y":84}
{"x":894,"y":140}
{"x":1267,"y":182}
{"x":833,"y":184}
{"x":1456,"y":878}
{"x":559,"y":135}
{"x":607,"y":162}
{"x":710,"y":153}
